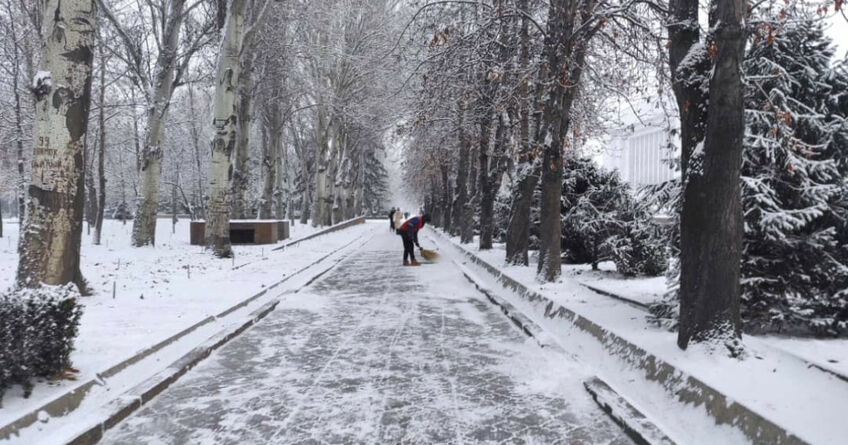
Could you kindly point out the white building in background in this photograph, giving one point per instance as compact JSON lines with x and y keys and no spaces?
{"x":639,"y":149}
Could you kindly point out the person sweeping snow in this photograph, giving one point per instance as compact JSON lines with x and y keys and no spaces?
{"x":408,"y":231}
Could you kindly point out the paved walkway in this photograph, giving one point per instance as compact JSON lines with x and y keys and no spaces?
{"x":375,"y":353}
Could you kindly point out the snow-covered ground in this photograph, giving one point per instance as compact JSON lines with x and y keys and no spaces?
{"x":828,"y":353}
{"x":159,"y":291}
{"x":642,"y":289}
{"x":374,"y":352}
{"x":780,"y":386}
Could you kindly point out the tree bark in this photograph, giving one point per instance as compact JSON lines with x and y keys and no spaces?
{"x":49,"y":248}
{"x":282,"y":198}
{"x":198,"y":160}
{"x":332,"y":170}
{"x":225,"y":126}
{"x":90,"y":188}
{"x":565,"y":54}
{"x":101,"y":149}
{"x":464,"y":222}
{"x":270,"y":150}
{"x":241,"y":167}
{"x":711,"y":219}
{"x":322,"y":147}
{"x":556,"y":53}
{"x":527,"y":175}
{"x":446,"y":196}
{"x":485,"y":184}
{"x":144,"y":224}
{"x":19,"y":126}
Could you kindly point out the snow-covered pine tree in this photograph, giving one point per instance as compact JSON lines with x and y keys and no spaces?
{"x":591,"y":197}
{"x":602,"y":221}
{"x":795,"y":262}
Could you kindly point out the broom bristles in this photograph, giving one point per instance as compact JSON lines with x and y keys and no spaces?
{"x":429,"y":255}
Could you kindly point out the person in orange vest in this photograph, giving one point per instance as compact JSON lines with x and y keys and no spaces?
{"x":408,"y":231}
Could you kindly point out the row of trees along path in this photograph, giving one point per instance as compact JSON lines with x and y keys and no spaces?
{"x":493,"y":70}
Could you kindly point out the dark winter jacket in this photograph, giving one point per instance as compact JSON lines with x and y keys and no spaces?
{"x":411,"y":227}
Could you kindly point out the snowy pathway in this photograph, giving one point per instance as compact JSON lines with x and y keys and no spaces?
{"x":377,"y":353}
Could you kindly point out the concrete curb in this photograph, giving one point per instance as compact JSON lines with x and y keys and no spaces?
{"x":637,"y":304}
{"x":518,"y":318}
{"x":686,"y":388}
{"x":334,"y":228}
{"x":634,"y":423}
{"x":642,"y":306}
{"x":65,"y":403}
{"x":135,"y":398}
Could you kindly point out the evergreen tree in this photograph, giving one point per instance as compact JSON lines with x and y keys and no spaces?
{"x":591,"y":198}
{"x":602,"y":221}
{"x":795,"y":262}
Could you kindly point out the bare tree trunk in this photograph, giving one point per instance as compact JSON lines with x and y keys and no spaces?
{"x":241,"y":168}
{"x":101,"y":149}
{"x":305,"y":205}
{"x":446,"y":196}
{"x":144,"y":224}
{"x":463,"y":226}
{"x":49,"y":248}
{"x":136,"y":142}
{"x":19,"y":136}
{"x":225,"y":126}
{"x":90,"y":188}
{"x":330,"y":193}
{"x":487,"y":194}
{"x":174,"y":210}
{"x":565,"y":56}
{"x":321,"y":145}
{"x":282,"y":206}
{"x":527,"y":175}
{"x":198,"y":160}
{"x":269,"y":177}
{"x":711,"y":219}
{"x":338,"y":189}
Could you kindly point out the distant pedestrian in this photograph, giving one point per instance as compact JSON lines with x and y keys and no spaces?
{"x":408,"y":231}
{"x":392,"y":220}
{"x":398,"y":218}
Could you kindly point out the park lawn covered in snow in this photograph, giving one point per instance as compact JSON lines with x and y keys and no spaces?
{"x":768,"y":380}
{"x":644,"y":290}
{"x":154,"y":296}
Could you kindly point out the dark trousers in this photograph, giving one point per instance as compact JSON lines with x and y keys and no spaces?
{"x":408,"y":246}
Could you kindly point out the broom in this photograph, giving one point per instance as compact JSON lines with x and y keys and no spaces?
{"x":429,"y":255}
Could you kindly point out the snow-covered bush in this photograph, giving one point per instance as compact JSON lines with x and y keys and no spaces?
{"x":503,"y":200}
{"x":37,"y":331}
{"x":602,"y":221}
{"x":639,"y":249}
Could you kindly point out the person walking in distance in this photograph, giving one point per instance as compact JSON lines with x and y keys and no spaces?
{"x":408,"y":231}
{"x":398,"y":218}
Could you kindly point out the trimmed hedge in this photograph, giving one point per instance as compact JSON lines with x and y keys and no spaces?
{"x":37,"y":331}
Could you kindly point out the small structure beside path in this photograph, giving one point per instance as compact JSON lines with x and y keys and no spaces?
{"x":246,"y":231}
